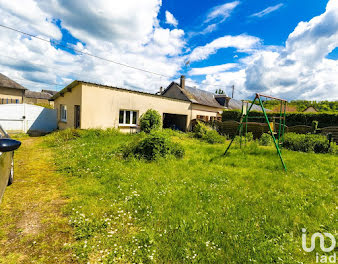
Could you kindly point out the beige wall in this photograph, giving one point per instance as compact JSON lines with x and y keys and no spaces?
{"x":101,"y":106}
{"x":11,"y":93}
{"x":205,"y":111}
{"x":70,"y":99}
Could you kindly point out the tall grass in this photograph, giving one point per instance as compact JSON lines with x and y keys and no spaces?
{"x":204,"y":208}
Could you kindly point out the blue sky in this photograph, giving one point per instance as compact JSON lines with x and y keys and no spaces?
{"x":273,"y":28}
{"x":285,"y":48}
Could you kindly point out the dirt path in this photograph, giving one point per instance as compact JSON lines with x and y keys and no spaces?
{"x":32,"y":226}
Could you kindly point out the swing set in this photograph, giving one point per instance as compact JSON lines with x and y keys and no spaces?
{"x":277,"y":137}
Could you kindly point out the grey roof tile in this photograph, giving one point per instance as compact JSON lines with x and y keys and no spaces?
{"x":8,"y":83}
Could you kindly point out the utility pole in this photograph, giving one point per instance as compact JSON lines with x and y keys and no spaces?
{"x":233,"y":90}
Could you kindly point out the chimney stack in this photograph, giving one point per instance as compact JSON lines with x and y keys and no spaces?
{"x":182,"y":81}
{"x":161,"y":90}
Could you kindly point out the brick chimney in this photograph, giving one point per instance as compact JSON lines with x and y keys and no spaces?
{"x":161,"y":90}
{"x":182,"y":81}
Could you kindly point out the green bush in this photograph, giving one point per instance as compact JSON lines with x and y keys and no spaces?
{"x":152,"y":146}
{"x":150,"y":120}
{"x":207,"y":134}
{"x":212,"y":137}
{"x":265,"y":140}
{"x":62,"y":136}
{"x":333,"y":149}
{"x":307,"y":143}
{"x":200,"y":130}
{"x":292,"y":119}
{"x":248,"y":138}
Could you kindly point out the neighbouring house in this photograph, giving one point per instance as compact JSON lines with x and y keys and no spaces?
{"x":10,"y":91}
{"x":32,"y":97}
{"x":51,"y":92}
{"x":13,"y":93}
{"x":310,"y":109}
{"x":204,"y":105}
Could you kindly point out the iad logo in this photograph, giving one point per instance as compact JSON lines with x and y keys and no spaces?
{"x":323,"y":258}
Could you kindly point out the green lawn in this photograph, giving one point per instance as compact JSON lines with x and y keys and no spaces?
{"x":204,"y":208}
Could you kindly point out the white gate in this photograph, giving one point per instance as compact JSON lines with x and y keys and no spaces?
{"x":27,"y":117}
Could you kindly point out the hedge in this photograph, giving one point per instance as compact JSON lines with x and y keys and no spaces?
{"x":292,"y":119}
{"x":307,"y":143}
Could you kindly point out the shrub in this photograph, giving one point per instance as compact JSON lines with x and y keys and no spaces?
{"x":62,"y":136}
{"x":207,"y":134}
{"x":265,"y":140}
{"x":177,"y":150}
{"x":333,"y":148}
{"x":292,"y":119}
{"x":248,"y":138}
{"x":212,"y":137}
{"x":306,"y":143}
{"x":153,"y":146}
{"x":200,"y":130}
{"x":174,"y":133}
{"x":150,"y":120}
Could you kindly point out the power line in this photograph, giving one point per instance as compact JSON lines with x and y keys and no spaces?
{"x":78,"y":74}
{"x":41,"y":82}
{"x":39,"y":64}
{"x":84,"y":53}
{"x":98,"y":57}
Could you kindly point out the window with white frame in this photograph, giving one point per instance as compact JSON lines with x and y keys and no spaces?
{"x":128,"y":117}
{"x":63,"y":113}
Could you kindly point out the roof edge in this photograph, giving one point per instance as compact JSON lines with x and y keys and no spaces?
{"x":64,"y":90}
{"x":76,"y":82}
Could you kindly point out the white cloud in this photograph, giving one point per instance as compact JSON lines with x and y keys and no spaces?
{"x":242,"y":43}
{"x":221,"y":12}
{"x":216,"y":16}
{"x":267,"y":11}
{"x":126,"y":32}
{"x":208,"y":29}
{"x":300,"y":70}
{"x":29,"y":16}
{"x":212,"y":69}
{"x":129,"y":32}
{"x":225,"y":81}
{"x":170,"y":19}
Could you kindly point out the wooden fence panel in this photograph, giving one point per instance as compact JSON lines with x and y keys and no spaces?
{"x":333,"y":130}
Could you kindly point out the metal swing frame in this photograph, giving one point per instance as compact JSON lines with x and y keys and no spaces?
{"x":244,"y":120}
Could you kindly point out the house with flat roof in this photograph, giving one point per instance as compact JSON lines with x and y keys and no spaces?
{"x":89,"y":105}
